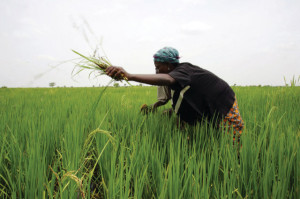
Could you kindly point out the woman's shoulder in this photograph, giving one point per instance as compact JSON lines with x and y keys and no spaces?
{"x":185,"y":64}
{"x":189,"y":68}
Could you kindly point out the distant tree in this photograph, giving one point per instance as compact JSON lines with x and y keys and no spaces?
{"x":140,"y":84}
{"x":52,"y":84}
{"x":116,"y":85}
{"x":3,"y":87}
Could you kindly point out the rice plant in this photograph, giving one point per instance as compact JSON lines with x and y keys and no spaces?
{"x":51,"y":146}
{"x":96,"y":64}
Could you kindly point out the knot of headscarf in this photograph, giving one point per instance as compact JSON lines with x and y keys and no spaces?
{"x":167,"y":54}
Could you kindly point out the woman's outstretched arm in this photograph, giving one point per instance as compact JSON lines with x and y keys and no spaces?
{"x":153,"y":79}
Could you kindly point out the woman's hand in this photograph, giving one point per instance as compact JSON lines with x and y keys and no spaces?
{"x":117,"y":73}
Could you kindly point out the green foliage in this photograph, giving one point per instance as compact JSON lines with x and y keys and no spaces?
{"x":116,"y":85}
{"x":52,"y":84}
{"x":293,"y":82}
{"x":65,"y":143}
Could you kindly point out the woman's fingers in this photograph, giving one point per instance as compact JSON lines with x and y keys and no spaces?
{"x":111,"y":71}
{"x":119,"y":74}
{"x":115,"y":72}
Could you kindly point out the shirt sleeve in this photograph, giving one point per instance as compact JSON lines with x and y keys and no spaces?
{"x":182,"y":75}
{"x":163,"y":93}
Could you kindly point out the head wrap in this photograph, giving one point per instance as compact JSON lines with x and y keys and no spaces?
{"x":167,"y":54}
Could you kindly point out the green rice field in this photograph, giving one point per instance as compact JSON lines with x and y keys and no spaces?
{"x":95,"y":143}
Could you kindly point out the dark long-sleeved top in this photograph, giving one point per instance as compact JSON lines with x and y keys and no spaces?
{"x":199,"y":94}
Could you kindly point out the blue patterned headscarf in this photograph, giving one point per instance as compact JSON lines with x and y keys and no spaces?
{"x":167,"y":54}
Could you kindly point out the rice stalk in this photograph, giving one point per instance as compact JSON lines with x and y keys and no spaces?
{"x":95,"y":64}
{"x":70,"y":175}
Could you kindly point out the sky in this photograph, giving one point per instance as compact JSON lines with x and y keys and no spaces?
{"x":244,"y":42}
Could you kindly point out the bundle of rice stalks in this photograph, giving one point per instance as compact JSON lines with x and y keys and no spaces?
{"x":98,"y":65}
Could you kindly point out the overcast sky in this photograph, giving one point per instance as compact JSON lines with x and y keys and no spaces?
{"x":245,"y":42}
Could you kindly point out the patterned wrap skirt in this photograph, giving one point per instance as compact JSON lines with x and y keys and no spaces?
{"x":233,"y":122}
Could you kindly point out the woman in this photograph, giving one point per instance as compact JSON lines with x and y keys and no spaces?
{"x":197,"y":94}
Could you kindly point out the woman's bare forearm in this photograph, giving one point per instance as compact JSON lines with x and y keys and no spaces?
{"x":153,"y":79}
